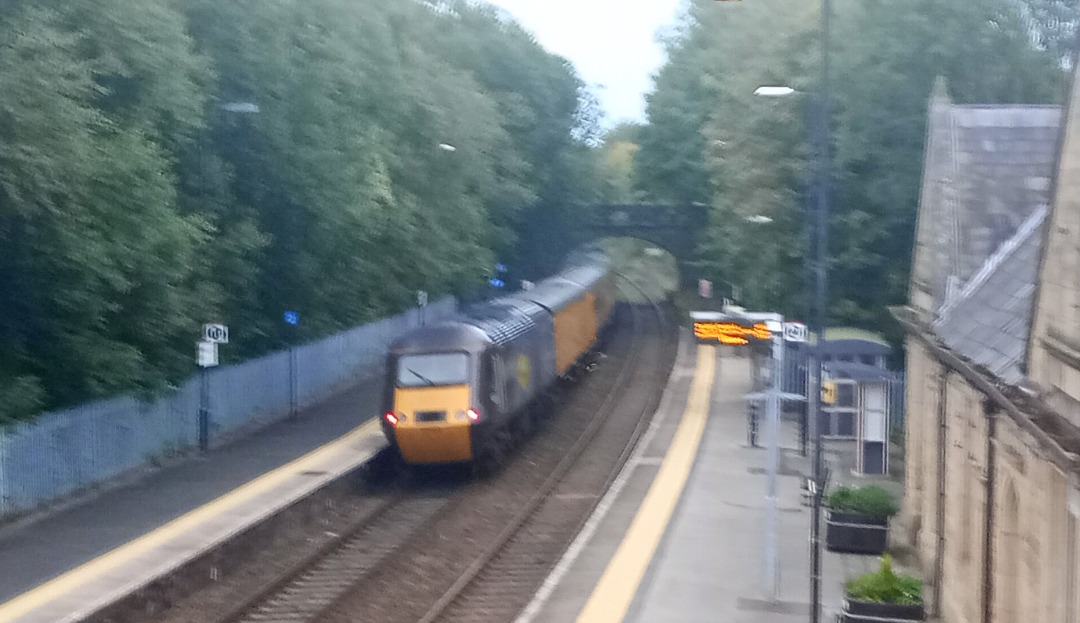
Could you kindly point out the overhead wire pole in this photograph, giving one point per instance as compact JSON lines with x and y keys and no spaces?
{"x":820,"y":317}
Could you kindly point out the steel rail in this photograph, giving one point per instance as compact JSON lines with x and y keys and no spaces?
{"x":500,"y":542}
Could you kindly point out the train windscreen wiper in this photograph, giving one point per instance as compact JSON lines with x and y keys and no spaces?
{"x":421,"y":376}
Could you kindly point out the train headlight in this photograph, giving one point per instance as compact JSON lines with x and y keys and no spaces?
{"x":393,"y":418}
{"x":473,"y":414}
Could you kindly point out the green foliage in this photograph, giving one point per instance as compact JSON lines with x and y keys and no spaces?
{"x":652,"y":272}
{"x":872,"y":500}
{"x":22,"y":396}
{"x":97,"y":262}
{"x":670,"y":166}
{"x":1053,"y":24}
{"x":134,"y":205}
{"x":616,"y":154}
{"x":710,"y":139}
{"x":886,"y":586}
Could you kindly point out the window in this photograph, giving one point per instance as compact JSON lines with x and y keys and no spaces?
{"x":433,"y":369}
{"x":845,"y":394}
{"x":845,"y":424}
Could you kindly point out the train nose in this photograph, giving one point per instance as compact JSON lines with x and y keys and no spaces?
{"x":432,"y":424}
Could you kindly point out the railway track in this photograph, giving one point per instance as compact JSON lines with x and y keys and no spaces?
{"x":502,"y":580}
{"x":315,"y":584}
{"x":491,"y":560}
{"x":478,"y":553}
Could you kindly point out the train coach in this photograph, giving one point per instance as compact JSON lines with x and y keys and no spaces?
{"x":459,"y":390}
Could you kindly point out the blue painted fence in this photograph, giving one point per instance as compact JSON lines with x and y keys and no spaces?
{"x":64,"y":451}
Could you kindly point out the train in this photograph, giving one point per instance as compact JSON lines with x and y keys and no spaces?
{"x":463,"y":390}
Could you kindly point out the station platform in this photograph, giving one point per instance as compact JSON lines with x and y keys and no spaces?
{"x":68,"y":564}
{"x":680,"y":536}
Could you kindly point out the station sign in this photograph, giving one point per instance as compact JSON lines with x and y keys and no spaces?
{"x":795,"y":332}
{"x":731,"y":333}
{"x":217,"y":333}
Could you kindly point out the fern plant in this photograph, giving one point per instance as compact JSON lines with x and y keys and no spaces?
{"x":886,"y":586}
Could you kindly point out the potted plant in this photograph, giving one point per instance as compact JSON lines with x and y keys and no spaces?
{"x":857,"y":520}
{"x":883,"y":596}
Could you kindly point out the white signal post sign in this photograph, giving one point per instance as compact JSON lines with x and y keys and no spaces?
{"x":794,"y":332}
{"x":217,"y":333}
{"x":207,"y":353}
{"x":213,"y":334}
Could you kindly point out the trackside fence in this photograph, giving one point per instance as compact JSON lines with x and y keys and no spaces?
{"x":62,"y":452}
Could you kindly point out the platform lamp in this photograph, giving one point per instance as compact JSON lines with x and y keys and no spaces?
{"x":820,"y":223}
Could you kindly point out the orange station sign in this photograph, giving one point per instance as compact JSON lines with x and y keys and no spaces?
{"x":730,"y":333}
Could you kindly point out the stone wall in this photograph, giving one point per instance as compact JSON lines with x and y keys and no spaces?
{"x":1033,"y":519}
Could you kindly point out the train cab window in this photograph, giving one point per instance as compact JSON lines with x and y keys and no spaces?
{"x":433,"y":369}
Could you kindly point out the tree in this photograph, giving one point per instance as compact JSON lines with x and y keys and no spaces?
{"x":753,"y":150}
{"x":135,"y":203}
{"x":616,"y":154}
{"x":97,"y":262}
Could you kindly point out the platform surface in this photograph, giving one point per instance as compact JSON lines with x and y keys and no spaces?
{"x":680,"y":537}
{"x":67,"y":564}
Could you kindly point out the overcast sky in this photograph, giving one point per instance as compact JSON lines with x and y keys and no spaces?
{"x":611,"y":42}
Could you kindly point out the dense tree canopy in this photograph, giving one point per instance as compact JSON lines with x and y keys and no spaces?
{"x":171,"y":162}
{"x":616,"y":164}
{"x":710,"y":139}
{"x":166,"y":163}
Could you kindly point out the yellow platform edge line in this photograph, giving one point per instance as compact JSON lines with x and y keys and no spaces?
{"x":70,"y":580}
{"x":613,"y":594}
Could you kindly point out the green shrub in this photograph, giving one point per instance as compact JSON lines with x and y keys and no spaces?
{"x":872,"y":500}
{"x":884,"y":586}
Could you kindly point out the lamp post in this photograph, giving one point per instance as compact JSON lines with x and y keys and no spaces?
{"x":820,"y":269}
{"x":821,"y":159}
{"x":207,"y":353}
{"x":772,"y":435}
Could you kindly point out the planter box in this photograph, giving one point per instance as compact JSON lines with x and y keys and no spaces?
{"x":856,"y":534}
{"x":856,"y":611}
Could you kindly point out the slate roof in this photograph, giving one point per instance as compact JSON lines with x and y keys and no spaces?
{"x":988,"y":169}
{"x":990,"y":319}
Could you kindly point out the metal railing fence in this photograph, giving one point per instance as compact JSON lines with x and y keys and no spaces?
{"x":62,"y":452}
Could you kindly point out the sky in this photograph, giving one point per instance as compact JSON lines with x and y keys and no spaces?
{"x":612,"y":43}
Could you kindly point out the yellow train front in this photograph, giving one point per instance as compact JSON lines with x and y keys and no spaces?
{"x":457,"y":388}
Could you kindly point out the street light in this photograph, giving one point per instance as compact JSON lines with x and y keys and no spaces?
{"x":822,"y":168}
{"x":782,"y":92}
{"x":204,"y":380}
{"x":772,"y":434}
{"x":240,"y":107}
{"x":766,"y":91}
